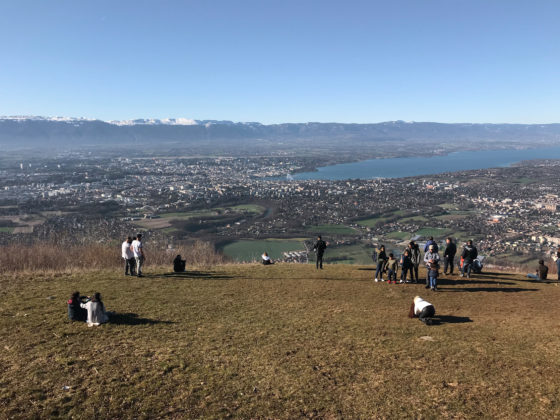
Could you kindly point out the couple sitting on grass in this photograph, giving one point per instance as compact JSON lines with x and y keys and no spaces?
{"x":88,"y":309}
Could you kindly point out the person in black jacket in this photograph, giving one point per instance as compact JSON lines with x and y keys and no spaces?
{"x":319,"y":248}
{"x":75,"y":311}
{"x":469,"y":254}
{"x":449,"y":255}
{"x":179,"y":264}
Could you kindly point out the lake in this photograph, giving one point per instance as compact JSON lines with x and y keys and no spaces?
{"x":404,"y":167}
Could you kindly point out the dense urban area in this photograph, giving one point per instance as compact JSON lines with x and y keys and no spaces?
{"x":248,"y":205}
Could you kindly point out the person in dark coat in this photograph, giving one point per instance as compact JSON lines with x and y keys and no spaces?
{"x":415,"y":258}
{"x":469,"y":254}
{"x":75,"y":311}
{"x":381,"y":258}
{"x":319,"y":248}
{"x":406,"y":265}
{"x":431,"y":242}
{"x":542,"y":270}
{"x":179,"y":264}
{"x":558,"y":262}
{"x":449,"y":255}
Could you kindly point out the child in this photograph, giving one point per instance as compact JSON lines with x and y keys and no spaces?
{"x":406,"y":266}
{"x":392,"y":267}
{"x":433,"y":271}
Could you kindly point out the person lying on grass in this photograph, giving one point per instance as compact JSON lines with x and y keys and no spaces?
{"x":96,"y":313}
{"x":266,"y":259}
{"x":424,"y":310}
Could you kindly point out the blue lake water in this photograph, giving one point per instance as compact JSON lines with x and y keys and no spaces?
{"x":404,"y":167}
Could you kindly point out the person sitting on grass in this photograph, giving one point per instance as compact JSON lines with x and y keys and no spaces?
{"x":75,"y":311}
{"x":179,"y":264}
{"x":96,"y":314}
{"x":392,"y":267}
{"x":424,"y":310}
{"x":266,"y":259}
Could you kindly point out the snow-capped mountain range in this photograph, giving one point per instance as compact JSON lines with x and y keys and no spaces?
{"x":33,"y":131}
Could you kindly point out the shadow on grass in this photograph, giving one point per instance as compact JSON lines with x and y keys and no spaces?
{"x":450,"y":319}
{"x":452,"y":282}
{"x":488,"y":289}
{"x":134,"y":319}
{"x":367,"y":269}
{"x":191,"y":275}
{"x":547,"y":281}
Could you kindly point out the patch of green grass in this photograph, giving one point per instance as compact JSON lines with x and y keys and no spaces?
{"x":332,"y":229}
{"x":435,"y":232}
{"x":284,"y":341}
{"x":6,"y":229}
{"x":524,"y":181}
{"x":347,"y":254}
{"x":373,"y":221}
{"x":251,"y":250}
{"x":248,"y":208}
{"x":398,"y":235}
{"x":412,"y":219}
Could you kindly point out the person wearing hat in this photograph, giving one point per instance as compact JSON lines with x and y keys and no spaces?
{"x":431,"y":258}
{"x":424,"y":310}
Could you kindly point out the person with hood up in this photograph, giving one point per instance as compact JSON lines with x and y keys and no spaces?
{"x":422,"y":309}
{"x":431,"y":242}
{"x":469,"y":254}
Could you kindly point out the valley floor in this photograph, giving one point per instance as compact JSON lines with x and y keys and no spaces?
{"x":283,"y":341}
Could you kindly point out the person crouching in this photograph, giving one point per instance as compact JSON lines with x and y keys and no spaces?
{"x":422,"y":309}
{"x":96,"y":313}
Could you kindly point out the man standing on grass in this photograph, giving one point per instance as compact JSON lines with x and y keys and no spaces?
{"x":319,"y":248}
{"x":128,"y":257}
{"x":470,"y":253}
{"x":138,"y":251}
{"x":449,"y":256}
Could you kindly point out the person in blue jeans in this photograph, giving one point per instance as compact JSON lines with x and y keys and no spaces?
{"x":432,"y":264}
{"x":381,"y":258}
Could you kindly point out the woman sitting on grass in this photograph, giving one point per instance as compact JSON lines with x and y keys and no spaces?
{"x":75,"y":311}
{"x":266,"y":259}
{"x":96,"y":314}
{"x":423,"y":310}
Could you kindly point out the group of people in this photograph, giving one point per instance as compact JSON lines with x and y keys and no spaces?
{"x":87,"y":309}
{"x":133,"y":256}
{"x":411,"y":259}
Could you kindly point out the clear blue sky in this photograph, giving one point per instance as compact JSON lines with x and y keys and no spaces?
{"x":282,"y":61}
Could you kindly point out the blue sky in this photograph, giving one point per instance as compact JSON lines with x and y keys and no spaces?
{"x":282,"y":61}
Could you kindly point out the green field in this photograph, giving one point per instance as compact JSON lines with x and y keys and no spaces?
{"x":435,"y":232}
{"x":399,"y":235}
{"x":373,"y":221}
{"x":216,"y":211}
{"x":251,"y":250}
{"x":281,"y":342}
{"x":6,"y":229}
{"x":347,"y":254}
{"x":332,"y":229}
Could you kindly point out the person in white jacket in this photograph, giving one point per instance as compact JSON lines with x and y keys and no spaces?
{"x":422,"y":309}
{"x":96,"y":313}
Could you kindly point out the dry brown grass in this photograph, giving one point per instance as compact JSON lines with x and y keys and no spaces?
{"x":284,"y":341}
{"x":53,"y":257}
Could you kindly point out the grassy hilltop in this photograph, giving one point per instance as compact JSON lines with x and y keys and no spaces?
{"x":283,"y":341}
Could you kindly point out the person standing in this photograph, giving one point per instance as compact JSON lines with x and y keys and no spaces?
{"x":432,"y":264}
{"x":406,"y":266}
{"x":128,"y":257}
{"x":469,"y":254}
{"x":319,"y":248}
{"x":431,"y":242}
{"x":415,"y":258}
{"x":424,"y":310}
{"x":558,"y":262}
{"x":392,"y":268}
{"x":449,"y":256}
{"x":381,"y":258}
{"x":139,"y":256}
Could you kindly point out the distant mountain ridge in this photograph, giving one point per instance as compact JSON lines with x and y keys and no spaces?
{"x":33,"y":131}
